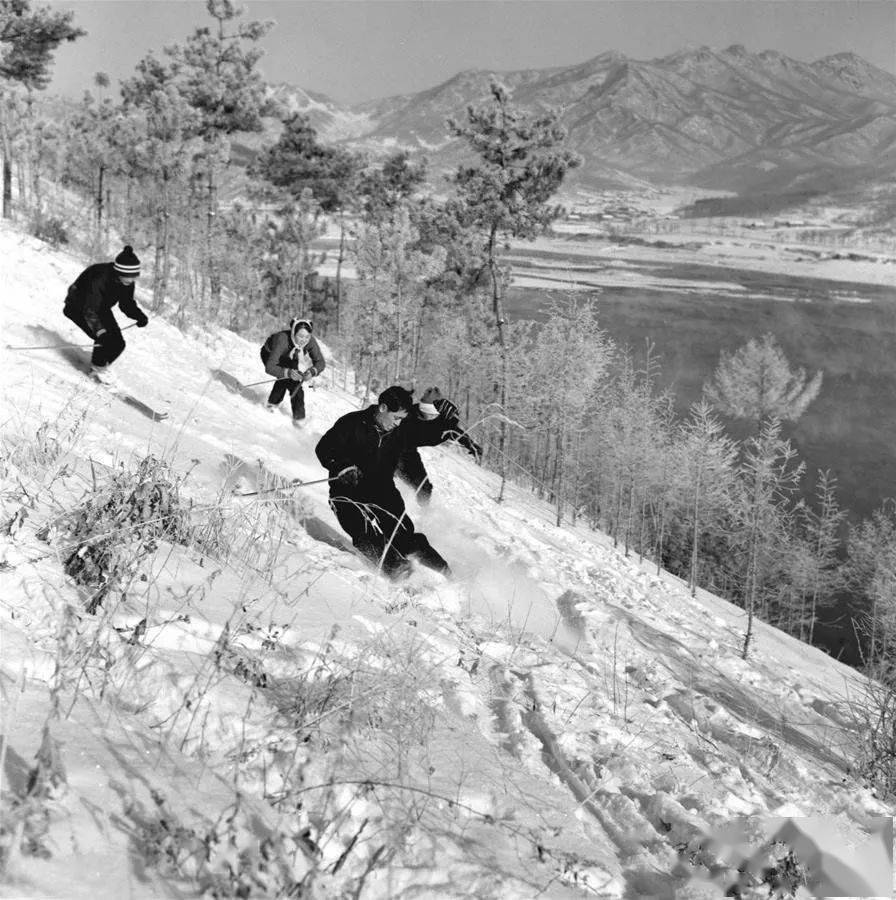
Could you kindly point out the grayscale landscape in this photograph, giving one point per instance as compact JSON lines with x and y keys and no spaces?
{"x":634,"y":264}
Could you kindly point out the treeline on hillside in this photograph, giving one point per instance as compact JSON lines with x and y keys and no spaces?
{"x":557,"y":406}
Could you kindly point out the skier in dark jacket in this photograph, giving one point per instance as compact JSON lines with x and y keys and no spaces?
{"x":89,"y":305}
{"x":361,"y":452}
{"x":410,"y":466}
{"x":293,"y":357}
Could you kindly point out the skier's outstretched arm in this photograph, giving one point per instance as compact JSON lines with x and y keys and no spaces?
{"x":128,"y":305}
{"x":429,"y":432}
{"x":453,"y":430}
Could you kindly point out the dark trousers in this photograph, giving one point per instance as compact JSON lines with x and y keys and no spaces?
{"x":380,"y":529}
{"x":296,"y":395}
{"x":411,"y":469}
{"x":108,"y":347}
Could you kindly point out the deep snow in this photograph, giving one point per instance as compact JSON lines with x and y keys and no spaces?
{"x":555,"y":721}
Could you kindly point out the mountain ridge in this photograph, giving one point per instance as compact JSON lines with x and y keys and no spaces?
{"x":698,"y":115}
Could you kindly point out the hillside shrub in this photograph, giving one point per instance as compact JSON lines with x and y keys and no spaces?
{"x":120,"y":526}
{"x":224,"y":859}
{"x":50,"y":230}
{"x":874,"y":714}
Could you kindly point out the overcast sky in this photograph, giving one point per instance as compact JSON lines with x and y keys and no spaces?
{"x":356,"y":50}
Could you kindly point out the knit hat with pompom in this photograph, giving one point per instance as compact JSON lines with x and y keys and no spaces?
{"x":126,"y":263}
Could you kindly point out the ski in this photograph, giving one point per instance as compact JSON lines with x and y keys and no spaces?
{"x":142,"y":408}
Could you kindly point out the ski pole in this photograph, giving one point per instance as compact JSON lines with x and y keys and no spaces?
{"x":65,"y":346}
{"x":269,"y":380}
{"x":54,"y":347}
{"x":285,"y":487}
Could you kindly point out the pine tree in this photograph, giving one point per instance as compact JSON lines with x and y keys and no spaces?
{"x":214,"y":71}
{"x":871,"y":572}
{"x":706,"y":462}
{"x":757,"y":383}
{"x":631,"y":441}
{"x":569,"y":357}
{"x":163,"y":131}
{"x":289,"y":260}
{"x":506,"y":194}
{"x":28,"y":39}
{"x":299,"y":162}
{"x":769,"y":475}
{"x":98,"y":135}
{"x":384,"y":188}
{"x":394,"y":272}
{"x":823,"y":576}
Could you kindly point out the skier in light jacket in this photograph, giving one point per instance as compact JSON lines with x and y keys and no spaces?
{"x":293,"y":357}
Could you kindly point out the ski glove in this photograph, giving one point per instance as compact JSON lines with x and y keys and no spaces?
{"x":349,"y":476}
{"x":142,"y":322}
{"x":309,"y":375}
{"x":294,"y":374}
{"x":447,"y":409}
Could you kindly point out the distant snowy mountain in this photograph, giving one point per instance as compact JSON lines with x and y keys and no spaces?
{"x":708,"y":117}
{"x":332,"y":121}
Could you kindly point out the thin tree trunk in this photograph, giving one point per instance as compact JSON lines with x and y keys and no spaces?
{"x":369,"y":378}
{"x":630,"y":518}
{"x":7,"y":185}
{"x":163,"y":274}
{"x":500,"y":323}
{"x":695,"y":537}
{"x":101,"y":176}
{"x":558,"y":475}
{"x":7,"y":166}
{"x":339,"y":261}
{"x":157,"y":265}
{"x":214,"y":276}
{"x":577,"y":477}
{"x":750,"y":596}
{"x":398,"y":327}
{"x":107,"y":217}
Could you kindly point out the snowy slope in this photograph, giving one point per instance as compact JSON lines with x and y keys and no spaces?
{"x":555,"y":721}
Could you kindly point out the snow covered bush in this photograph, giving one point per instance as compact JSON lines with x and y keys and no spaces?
{"x":26,"y":817}
{"x":34,"y":460}
{"x":874,"y":712}
{"x":120,"y":525}
{"x":224,"y":859}
{"x":51,"y":230}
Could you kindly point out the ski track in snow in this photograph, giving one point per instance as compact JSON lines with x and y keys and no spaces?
{"x":583,"y":695}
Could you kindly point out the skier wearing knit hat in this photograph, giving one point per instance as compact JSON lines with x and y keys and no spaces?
{"x":410,"y":466}
{"x":89,"y":305}
{"x":293,"y":357}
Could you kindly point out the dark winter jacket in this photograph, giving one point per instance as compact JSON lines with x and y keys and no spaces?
{"x":355,"y":440}
{"x":453,"y":429}
{"x":279,"y":354}
{"x":96,"y":290}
